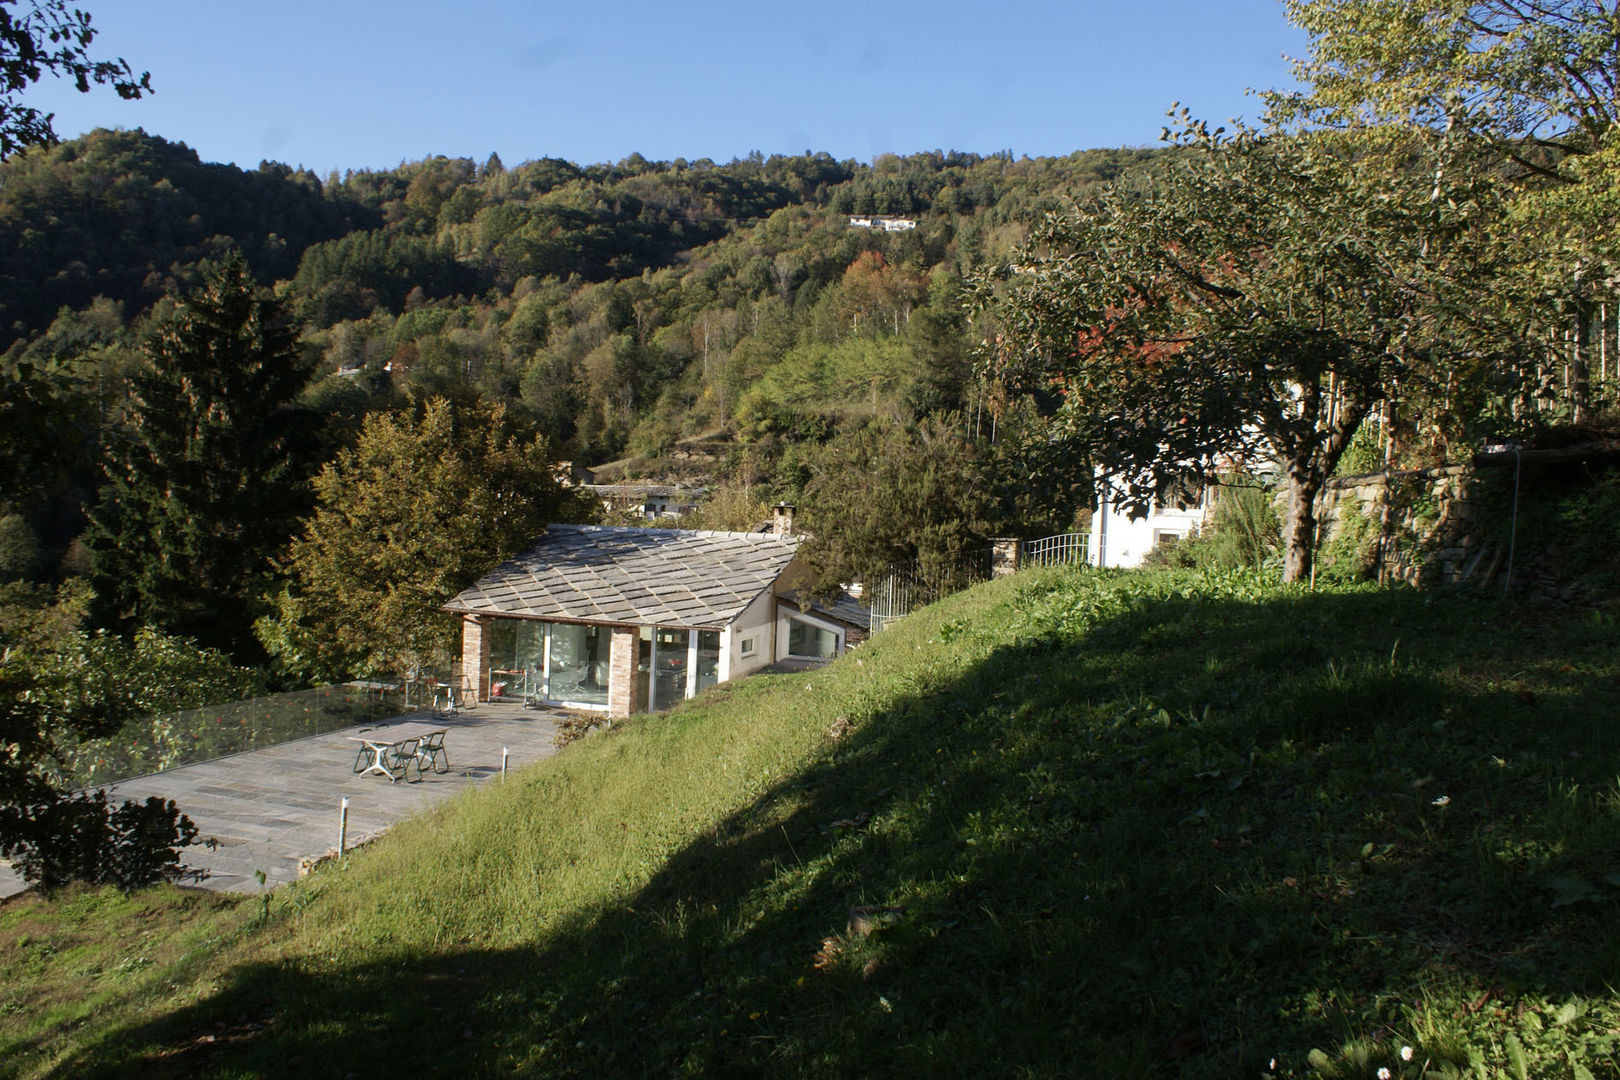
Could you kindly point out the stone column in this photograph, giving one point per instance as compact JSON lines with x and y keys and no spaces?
{"x":475,"y":653}
{"x":622,"y":672}
{"x":1005,"y":551}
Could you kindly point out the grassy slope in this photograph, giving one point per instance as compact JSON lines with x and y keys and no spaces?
{"x":1149,"y":825}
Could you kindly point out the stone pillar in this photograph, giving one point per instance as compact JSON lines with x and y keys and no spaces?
{"x":1005,"y":551}
{"x":475,"y":653}
{"x":622,"y":672}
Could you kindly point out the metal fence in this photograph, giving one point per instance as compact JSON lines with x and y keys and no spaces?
{"x":1065,"y":549}
{"x":910,"y":587}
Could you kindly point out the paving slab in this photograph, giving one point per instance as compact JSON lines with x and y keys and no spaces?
{"x":269,"y":809}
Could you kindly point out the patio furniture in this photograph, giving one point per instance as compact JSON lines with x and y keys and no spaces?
{"x":392,"y":751}
{"x":401,"y":756}
{"x":430,"y":754}
{"x":444,"y":701}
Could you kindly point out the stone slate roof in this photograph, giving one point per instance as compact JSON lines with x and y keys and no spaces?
{"x":646,"y":577}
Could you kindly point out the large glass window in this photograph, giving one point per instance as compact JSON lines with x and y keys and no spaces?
{"x":669,"y":666}
{"x":807,"y":639}
{"x":579,"y":664}
{"x":517,"y":655}
{"x":708,"y":659}
{"x":578,"y":669}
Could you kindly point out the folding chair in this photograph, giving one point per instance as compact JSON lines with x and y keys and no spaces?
{"x":401,"y":756}
{"x":430,"y":754}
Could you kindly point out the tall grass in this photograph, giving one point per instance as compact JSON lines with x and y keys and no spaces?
{"x":1174,"y":824}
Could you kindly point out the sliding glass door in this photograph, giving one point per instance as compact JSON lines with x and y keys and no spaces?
{"x":566,"y":663}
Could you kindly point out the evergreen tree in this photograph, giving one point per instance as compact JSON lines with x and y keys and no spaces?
{"x":203,"y":486}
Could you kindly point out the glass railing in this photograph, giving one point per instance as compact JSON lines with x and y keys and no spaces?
{"x":169,"y":740}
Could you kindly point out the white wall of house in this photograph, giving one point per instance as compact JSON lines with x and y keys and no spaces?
{"x":756,"y":625}
{"x":1117,"y":540}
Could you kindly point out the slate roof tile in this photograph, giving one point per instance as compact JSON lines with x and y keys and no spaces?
{"x":662,"y":577}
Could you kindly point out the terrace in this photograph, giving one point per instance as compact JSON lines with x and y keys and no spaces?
{"x":269,"y":809}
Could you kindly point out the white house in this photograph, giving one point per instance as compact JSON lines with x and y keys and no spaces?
{"x":627,"y":619}
{"x":1117,"y":539}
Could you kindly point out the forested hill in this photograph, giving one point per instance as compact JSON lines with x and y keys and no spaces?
{"x":624,"y":306}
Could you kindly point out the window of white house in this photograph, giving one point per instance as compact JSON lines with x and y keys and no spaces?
{"x":808,"y":640}
{"x":746,"y":647}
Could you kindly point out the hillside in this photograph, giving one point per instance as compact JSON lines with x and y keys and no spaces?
{"x":623,"y":305}
{"x":1132,"y":825}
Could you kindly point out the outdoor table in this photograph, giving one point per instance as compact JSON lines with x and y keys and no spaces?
{"x":380,"y":741}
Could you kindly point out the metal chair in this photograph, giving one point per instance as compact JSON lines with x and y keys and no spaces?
{"x":444,"y":700}
{"x":401,"y":756}
{"x":430,"y":754}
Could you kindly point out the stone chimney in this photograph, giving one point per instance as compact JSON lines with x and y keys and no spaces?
{"x":782,"y":519}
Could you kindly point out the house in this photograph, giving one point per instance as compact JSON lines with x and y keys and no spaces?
{"x":650,"y":501}
{"x":629,"y":619}
{"x":882,"y":223}
{"x":1118,"y":539}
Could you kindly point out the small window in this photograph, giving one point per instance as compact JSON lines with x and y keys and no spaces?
{"x":746,"y":647}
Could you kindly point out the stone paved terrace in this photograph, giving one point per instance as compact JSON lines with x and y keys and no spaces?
{"x":270,"y":808}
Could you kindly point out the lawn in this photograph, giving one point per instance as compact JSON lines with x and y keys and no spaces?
{"x":1147,"y":825}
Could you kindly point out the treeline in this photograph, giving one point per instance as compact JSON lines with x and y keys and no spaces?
{"x":618,"y":309}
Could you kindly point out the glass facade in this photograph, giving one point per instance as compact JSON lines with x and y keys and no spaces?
{"x":708,"y":659}
{"x":568,"y":663}
{"x":577,"y":672}
{"x":669,"y":666}
{"x":808,"y":639}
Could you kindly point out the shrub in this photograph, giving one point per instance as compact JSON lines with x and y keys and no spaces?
{"x":85,"y":838}
{"x":1243,"y":532}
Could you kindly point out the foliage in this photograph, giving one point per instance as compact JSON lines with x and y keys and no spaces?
{"x":83,"y":838}
{"x":429,"y":497}
{"x":1528,"y":76}
{"x":59,"y":685}
{"x":730,"y":506}
{"x":127,"y":216}
{"x":48,"y":37}
{"x":1254,"y":304}
{"x":1242,"y":533}
{"x":887,"y":497}
{"x":205,"y":484}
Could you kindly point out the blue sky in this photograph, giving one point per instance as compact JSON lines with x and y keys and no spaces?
{"x":340,"y":84}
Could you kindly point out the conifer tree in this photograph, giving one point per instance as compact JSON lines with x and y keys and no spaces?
{"x":203,"y":485}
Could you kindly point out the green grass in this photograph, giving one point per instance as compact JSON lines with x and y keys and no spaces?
{"x":1139,"y":825}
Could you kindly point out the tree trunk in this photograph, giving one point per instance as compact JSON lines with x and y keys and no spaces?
{"x":1299,"y":531}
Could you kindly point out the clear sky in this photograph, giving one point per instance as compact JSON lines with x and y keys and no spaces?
{"x":339,"y":84}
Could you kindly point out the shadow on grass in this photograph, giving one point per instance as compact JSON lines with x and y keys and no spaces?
{"x":1184,"y":840}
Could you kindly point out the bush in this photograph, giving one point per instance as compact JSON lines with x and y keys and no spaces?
{"x":1243,"y":532}
{"x":85,"y":838}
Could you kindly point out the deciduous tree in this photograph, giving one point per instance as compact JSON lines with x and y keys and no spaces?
{"x":1254,"y":304}
{"x":428,"y":498}
{"x":43,"y":37}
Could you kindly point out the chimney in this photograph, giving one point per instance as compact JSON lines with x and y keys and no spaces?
{"x":782,"y":519}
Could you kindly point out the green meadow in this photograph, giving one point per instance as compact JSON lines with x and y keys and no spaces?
{"x":1169,"y":824}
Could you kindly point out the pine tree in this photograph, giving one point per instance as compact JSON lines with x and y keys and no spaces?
{"x":203,"y":485}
